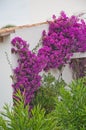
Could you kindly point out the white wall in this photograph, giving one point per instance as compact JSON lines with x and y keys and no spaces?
{"x":32,"y":34}
{"x":5,"y":72}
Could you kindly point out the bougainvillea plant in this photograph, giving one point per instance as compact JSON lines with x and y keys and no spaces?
{"x":65,"y":36}
{"x":26,"y":74}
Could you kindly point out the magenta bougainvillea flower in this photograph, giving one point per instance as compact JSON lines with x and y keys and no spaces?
{"x":65,"y":36}
{"x":28,"y":69}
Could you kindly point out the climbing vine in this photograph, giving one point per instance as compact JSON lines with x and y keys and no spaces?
{"x":65,"y":36}
{"x":27,"y":77}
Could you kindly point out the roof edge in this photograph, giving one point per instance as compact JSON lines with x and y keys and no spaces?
{"x":8,"y":31}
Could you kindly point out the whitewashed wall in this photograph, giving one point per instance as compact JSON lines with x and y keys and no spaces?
{"x":5,"y":72}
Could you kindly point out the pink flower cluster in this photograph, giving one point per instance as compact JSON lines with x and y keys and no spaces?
{"x":65,"y":36}
{"x":27,"y":73}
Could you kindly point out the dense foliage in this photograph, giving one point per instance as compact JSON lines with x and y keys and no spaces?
{"x":71,"y":109}
{"x":68,"y":113}
{"x":18,"y":117}
{"x":48,"y":91}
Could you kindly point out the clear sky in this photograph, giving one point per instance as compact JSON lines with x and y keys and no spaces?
{"x":20,"y":12}
{"x":14,"y":12}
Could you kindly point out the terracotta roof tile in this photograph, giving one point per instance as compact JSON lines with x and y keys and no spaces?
{"x":7,"y":31}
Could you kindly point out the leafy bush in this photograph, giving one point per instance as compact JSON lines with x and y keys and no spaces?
{"x":71,"y":109}
{"x":18,"y":118}
{"x":49,"y":112}
{"x":48,"y":91}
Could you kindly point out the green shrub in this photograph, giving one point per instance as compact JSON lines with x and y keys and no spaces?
{"x":71,"y":109}
{"x":47,"y":93}
{"x":49,"y":112}
{"x":19,"y":118}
